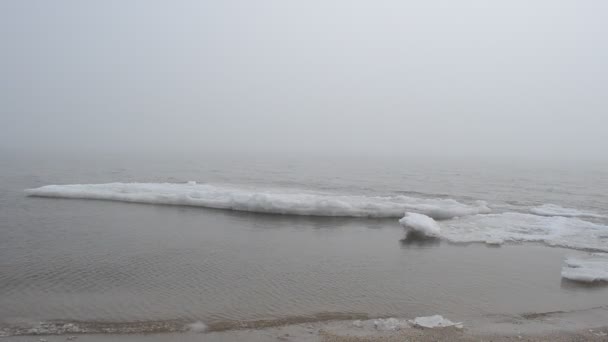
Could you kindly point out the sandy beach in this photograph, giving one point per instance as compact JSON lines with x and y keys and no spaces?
{"x":583,"y":325}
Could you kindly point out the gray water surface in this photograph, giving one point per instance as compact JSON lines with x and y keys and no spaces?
{"x":98,"y":261}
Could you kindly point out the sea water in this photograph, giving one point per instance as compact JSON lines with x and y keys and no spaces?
{"x":101,"y":242}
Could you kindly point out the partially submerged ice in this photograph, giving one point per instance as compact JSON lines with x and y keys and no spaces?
{"x":264,"y":200}
{"x":590,"y":269}
{"x":421,"y":224}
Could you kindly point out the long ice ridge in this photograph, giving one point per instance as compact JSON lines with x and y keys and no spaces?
{"x":263,"y":201}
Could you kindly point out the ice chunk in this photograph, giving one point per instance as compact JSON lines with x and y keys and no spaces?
{"x":436,"y":321}
{"x":593,"y":268}
{"x":358,"y":323}
{"x":421,"y":224}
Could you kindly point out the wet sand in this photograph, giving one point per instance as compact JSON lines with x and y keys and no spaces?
{"x":582,"y":325}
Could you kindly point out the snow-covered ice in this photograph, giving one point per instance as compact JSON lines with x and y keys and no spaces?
{"x":421,"y":223}
{"x":593,"y":268}
{"x":461,"y":222}
{"x":276,"y":201}
{"x":569,"y":232}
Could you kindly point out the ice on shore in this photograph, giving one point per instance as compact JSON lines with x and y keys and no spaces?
{"x":390,"y":324}
{"x":276,"y":201}
{"x":197,"y":327}
{"x":382,"y":324}
{"x":435,"y":321}
{"x":393,"y":324}
{"x":421,"y":224}
{"x":590,"y":269}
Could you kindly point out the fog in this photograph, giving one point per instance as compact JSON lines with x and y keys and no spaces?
{"x":399,"y":78}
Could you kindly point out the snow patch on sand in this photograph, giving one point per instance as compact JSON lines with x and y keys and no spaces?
{"x":421,"y":224}
{"x":593,"y":268}
{"x":556,"y":210}
{"x":275,"y":201}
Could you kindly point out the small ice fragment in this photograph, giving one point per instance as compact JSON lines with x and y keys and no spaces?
{"x":191,"y":183}
{"x":389,"y":324}
{"x":435,"y":321}
{"x":197,"y":327}
{"x":382,"y":324}
{"x":495,"y":241}
{"x":593,"y":268}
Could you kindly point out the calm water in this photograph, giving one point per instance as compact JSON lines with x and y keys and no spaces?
{"x":88,"y":260}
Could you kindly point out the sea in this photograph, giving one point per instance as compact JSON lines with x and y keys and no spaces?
{"x":104,"y":243}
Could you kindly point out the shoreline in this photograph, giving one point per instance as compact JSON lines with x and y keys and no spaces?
{"x":577,"y":325}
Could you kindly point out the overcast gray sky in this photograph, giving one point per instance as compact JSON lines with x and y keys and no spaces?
{"x":521,"y":78}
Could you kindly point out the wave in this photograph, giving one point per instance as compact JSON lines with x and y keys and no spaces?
{"x":556,"y":210}
{"x":568,"y":232}
{"x":273,"y":201}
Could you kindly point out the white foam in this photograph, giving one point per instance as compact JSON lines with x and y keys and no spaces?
{"x":421,"y":223}
{"x":593,"y":268}
{"x":556,"y":210}
{"x":436,"y":321}
{"x":569,"y":232}
{"x":282,"y":201}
